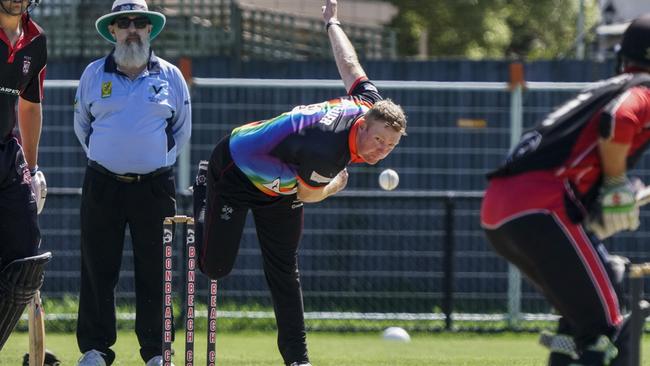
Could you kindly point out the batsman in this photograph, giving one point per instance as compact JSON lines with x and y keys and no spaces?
{"x":563,"y":190}
{"x":272,"y":166}
{"x":22,"y":185}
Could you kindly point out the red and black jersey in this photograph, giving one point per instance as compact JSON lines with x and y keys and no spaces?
{"x":566,"y":141}
{"x":626,"y":120}
{"x":22,"y":72}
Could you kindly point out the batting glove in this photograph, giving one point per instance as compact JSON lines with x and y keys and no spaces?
{"x":39,"y":188}
{"x":617,"y":208}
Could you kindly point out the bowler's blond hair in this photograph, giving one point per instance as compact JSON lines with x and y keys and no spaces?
{"x":390,"y":113}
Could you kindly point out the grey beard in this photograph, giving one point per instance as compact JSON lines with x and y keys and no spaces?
{"x":133,"y":54}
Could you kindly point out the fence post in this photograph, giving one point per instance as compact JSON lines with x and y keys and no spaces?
{"x":236,"y":37}
{"x":516,"y":116}
{"x":448,"y":263}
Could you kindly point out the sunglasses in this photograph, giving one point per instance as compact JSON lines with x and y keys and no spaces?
{"x":125,"y":23}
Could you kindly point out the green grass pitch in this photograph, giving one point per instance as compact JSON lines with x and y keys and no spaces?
{"x":326,"y":349}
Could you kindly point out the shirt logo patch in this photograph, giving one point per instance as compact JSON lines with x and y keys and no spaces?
{"x":156,"y":90}
{"x":319,"y":178}
{"x":26,"y":63}
{"x":529,"y":142}
{"x":107,"y":89}
{"x":226,"y":212}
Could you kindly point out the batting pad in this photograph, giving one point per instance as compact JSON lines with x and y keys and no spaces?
{"x":19,"y":281}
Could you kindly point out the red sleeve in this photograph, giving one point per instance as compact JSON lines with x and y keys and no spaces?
{"x":627,"y":114}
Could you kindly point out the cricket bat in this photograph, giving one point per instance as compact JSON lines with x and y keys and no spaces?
{"x":643,"y":196}
{"x":36,"y":331}
{"x":640,"y":307}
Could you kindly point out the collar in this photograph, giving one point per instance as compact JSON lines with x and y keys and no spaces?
{"x":352,"y":142}
{"x":31,"y":30}
{"x":153,"y":65}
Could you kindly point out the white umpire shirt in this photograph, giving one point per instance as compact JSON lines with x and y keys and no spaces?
{"x":132,"y":126}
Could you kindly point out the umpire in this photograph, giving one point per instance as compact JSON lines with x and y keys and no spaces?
{"x":132,"y":117}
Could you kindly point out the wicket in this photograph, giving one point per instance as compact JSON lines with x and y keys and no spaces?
{"x":640,"y":310}
{"x":190,"y":288}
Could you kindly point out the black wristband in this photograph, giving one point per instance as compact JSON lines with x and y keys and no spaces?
{"x":330,"y":23}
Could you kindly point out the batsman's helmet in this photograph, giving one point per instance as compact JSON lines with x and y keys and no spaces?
{"x":635,"y":45}
{"x":31,"y":4}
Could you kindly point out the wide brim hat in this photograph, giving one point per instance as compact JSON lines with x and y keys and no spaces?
{"x":130,"y":7}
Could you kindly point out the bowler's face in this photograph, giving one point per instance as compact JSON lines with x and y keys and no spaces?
{"x":375,"y":141}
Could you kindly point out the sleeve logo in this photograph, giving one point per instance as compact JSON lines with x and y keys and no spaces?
{"x":275,"y":186}
{"x":319,"y":178}
{"x":308,"y":110}
{"x":331,"y":115}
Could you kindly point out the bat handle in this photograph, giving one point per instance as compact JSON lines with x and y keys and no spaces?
{"x":643,"y":196}
{"x":36,"y":332}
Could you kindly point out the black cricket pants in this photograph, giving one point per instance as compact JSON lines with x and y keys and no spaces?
{"x":542,"y":251}
{"x":107,"y":206}
{"x":19,"y":232}
{"x":526,"y":220}
{"x":278,"y":222}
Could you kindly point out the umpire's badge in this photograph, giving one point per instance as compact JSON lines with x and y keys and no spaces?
{"x":26,"y":63}
{"x":107,"y":89}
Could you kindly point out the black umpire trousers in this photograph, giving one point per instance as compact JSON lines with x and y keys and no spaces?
{"x":278,"y":221}
{"x":19,"y":232}
{"x":107,"y":206}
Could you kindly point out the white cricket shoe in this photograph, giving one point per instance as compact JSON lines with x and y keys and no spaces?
{"x":300,"y":364}
{"x":156,"y":361}
{"x":92,"y":358}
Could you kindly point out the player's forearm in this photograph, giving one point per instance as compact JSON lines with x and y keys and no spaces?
{"x":613,"y":157}
{"x":345,"y":56}
{"x":30,"y":122}
{"x":312,"y":195}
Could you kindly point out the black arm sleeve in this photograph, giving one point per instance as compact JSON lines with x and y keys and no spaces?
{"x":365,"y":90}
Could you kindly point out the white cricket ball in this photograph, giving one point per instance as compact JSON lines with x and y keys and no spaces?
{"x":388,"y":179}
{"x":396,"y":334}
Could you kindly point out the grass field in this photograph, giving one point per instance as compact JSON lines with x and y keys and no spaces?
{"x":326,"y":349}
